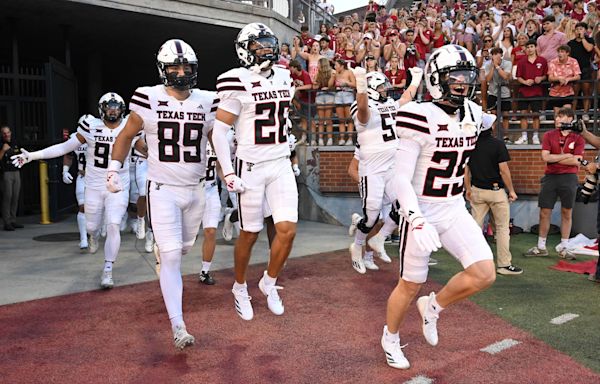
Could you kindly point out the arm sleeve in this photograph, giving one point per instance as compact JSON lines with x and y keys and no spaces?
{"x":221,"y":146}
{"x":59,"y":149}
{"x":408,"y":151}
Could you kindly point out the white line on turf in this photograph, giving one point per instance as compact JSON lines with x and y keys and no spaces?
{"x":500,"y":346}
{"x":419,"y":380}
{"x":564,"y":318}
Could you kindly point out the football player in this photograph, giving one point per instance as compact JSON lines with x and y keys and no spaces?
{"x":175,"y":119}
{"x":256,"y":98}
{"x":79,"y":155}
{"x":99,"y":206}
{"x":374,"y":116}
{"x":436,"y":139}
{"x":212,"y":215}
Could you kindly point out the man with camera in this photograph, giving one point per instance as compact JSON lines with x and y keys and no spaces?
{"x":592,"y":168}
{"x":562,"y":151}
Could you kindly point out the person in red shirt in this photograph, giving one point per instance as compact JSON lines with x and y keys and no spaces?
{"x":578,"y":11}
{"x":422,"y":40}
{"x":531,"y":71}
{"x":562,"y":151}
{"x":302,"y":97}
{"x":397,"y":76}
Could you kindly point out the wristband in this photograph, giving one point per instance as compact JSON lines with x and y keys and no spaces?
{"x":66,"y":168}
{"x":114,"y":166}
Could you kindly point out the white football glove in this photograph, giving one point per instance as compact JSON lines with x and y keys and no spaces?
{"x":296,"y":169}
{"x":235,"y":184}
{"x":417,"y":76}
{"x":113,"y":180}
{"x":361,"y":79}
{"x":425,"y":234}
{"x":21,"y":159}
{"x":67,"y":178}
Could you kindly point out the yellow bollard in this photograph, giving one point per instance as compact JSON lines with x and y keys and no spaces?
{"x":45,"y":215}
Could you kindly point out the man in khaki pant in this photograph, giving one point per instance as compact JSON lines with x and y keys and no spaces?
{"x":485,"y":179}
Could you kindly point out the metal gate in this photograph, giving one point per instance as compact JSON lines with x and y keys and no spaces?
{"x":37,"y":101}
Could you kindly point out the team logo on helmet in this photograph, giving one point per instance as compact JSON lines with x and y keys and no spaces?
{"x":451,"y":74}
{"x":252,"y":38}
{"x":111,"y":107}
{"x":177,"y":52}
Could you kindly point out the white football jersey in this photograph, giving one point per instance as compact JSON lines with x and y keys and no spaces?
{"x":100,"y":140}
{"x":176,"y":133}
{"x":211,"y":166}
{"x":376,"y":140}
{"x":80,"y":152}
{"x":262,"y":105}
{"x":446,"y":144}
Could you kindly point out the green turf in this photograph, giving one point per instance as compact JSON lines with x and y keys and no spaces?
{"x":529,"y":301}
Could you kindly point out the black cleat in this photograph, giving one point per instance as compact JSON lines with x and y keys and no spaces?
{"x":206,"y":278}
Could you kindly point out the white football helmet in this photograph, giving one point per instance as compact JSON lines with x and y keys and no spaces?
{"x":377,"y":86}
{"x":111,"y":107}
{"x":451,"y":65}
{"x":177,"y":52}
{"x":261,"y":37}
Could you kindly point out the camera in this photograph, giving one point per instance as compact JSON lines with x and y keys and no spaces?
{"x":411,"y":50}
{"x":576,"y":126}
{"x":589,"y":184}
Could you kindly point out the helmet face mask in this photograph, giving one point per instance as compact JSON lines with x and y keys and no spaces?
{"x":177,"y":54}
{"x":378,"y":86}
{"x":111,"y":107}
{"x":451,"y":74}
{"x":256,"y":45}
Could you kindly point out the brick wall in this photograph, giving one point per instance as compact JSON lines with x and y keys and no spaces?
{"x":526,"y":168}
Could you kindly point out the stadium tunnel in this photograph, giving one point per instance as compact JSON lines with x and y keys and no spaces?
{"x":57,"y":57}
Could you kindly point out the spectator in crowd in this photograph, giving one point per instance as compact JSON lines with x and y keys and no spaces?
{"x":507,"y":43}
{"x":518,"y":51}
{"x":497,"y":10}
{"x":422,"y":40}
{"x":325,"y":50}
{"x":371,"y":64}
{"x":582,"y":49}
{"x":562,"y":151}
{"x":325,"y":100}
{"x":327,"y":7}
{"x":548,"y":43}
{"x":312,"y":59}
{"x":485,"y":26}
{"x":578,"y":13}
{"x":382,"y":15}
{"x":348,"y":55}
{"x":305,"y":35}
{"x":562,"y":72}
{"x":343,"y":81}
{"x":557,"y":13}
{"x":483,"y":56}
{"x":532,"y":29}
{"x":397,"y":76}
{"x":297,"y":47}
{"x":356,"y":33}
{"x":302,"y":99}
{"x":285,"y":55}
{"x":531,"y":72}
{"x":497,"y":77}
{"x":486,"y":178}
{"x":412,"y":56}
{"x":11,"y":180}
{"x":592,"y":18}
{"x":470,"y":33}
{"x":395,"y":47}
{"x":439,"y":36}
{"x":459,"y":29}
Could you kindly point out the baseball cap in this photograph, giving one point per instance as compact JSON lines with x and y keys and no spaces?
{"x":368,"y":35}
{"x":370,"y":57}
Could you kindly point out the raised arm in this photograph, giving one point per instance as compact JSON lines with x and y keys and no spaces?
{"x":48,"y":153}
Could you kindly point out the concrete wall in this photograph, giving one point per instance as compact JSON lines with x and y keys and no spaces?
{"x":232,"y":14}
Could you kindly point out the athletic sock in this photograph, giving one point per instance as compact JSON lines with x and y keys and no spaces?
{"x":368,"y":255}
{"x":564,"y":243}
{"x":389,"y":226}
{"x":434,"y":307}
{"x":360,"y":238}
{"x":240,"y":287}
{"x":268,"y":280}
{"x":108,"y":266}
{"x":206,"y":266}
{"x":541,"y":243}
{"x":176,"y":321}
{"x":81,"y":225}
{"x":391,"y":337}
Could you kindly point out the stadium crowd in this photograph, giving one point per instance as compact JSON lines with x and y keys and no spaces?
{"x":533,"y":56}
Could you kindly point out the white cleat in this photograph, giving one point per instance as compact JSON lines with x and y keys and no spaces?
{"x":243,"y":307}
{"x":393,"y":352}
{"x":93,"y":245}
{"x":383,"y":256}
{"x":355,"y":220}
{"x":83,"y":245}
{"x":357,"y":258}
{"x":429,"y":323}
{"x":377,"y":243}
{"x":370,"y":264}
{"x":149,"y":243}
{"x":107,"y":280}
{"x":182,"y":338}
{"x":140,"y":230}
{"x":273,"y":300}
{"x":227,"y":227}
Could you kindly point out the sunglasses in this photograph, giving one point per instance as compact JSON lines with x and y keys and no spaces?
{"x":487,"y":41}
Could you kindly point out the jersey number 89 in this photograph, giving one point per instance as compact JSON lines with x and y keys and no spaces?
{"x":168,"y":142}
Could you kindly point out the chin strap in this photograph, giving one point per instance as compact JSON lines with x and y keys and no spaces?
{"x":258,"y":68}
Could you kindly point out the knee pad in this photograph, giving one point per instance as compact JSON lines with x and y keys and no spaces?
{"x":363,"y":227}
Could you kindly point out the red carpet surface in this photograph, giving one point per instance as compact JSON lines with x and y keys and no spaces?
{"x":330,"y":333}
{"x":582,"y":267}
